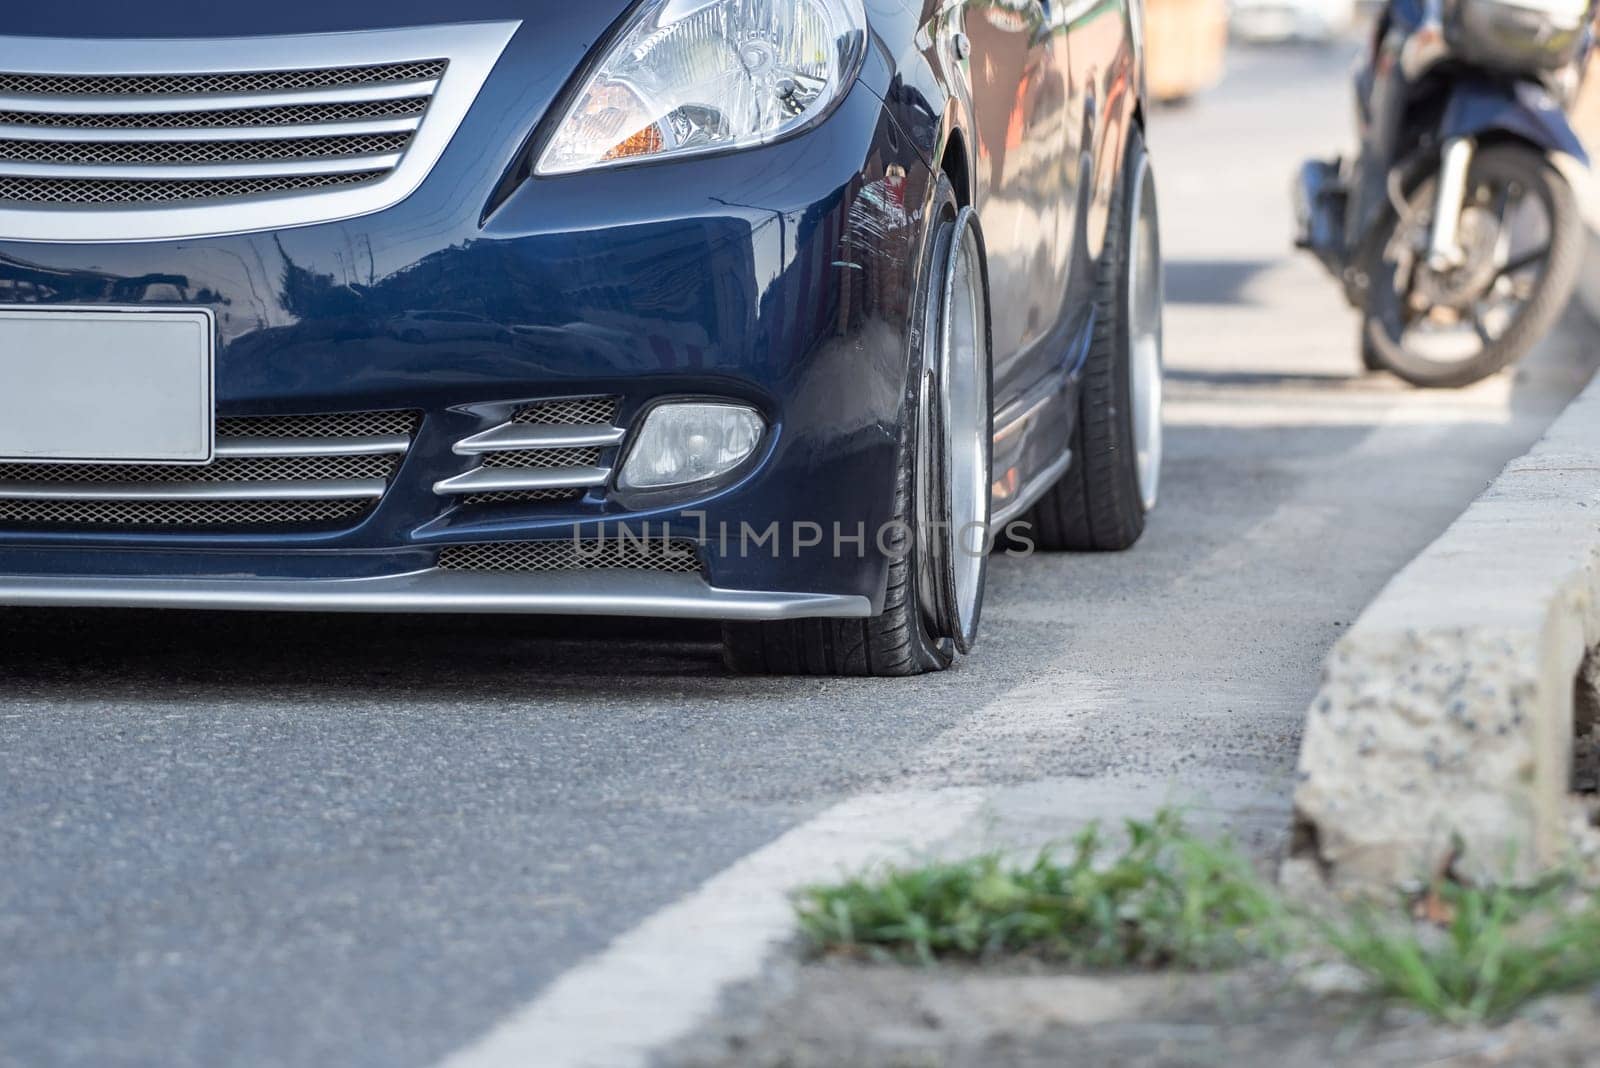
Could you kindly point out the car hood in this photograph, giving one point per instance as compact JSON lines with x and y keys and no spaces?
{"x":208,"y":18}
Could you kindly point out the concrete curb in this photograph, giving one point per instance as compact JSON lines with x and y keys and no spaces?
{"x":1443,"y":734}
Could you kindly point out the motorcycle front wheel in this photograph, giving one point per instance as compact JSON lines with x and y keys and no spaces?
{"x":1522,"y":242}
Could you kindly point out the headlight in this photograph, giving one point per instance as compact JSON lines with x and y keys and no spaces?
{"x":689,"y":76}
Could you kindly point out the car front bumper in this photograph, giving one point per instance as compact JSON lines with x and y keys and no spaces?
{"x":601,"y":593}
{"x":780,"y":277}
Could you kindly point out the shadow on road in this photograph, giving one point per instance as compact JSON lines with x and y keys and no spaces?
{"x":1316,"y":379}
{"x":1213,"y":281}
{"x":158,"y":653}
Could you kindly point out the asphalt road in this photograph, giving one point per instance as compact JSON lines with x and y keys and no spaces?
{"x":284,"y":840}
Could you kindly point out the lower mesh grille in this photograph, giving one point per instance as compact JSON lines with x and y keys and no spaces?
{"x":180,"y":513}
{"x":543,"y":458}
{"x":608,"y":554}
{"x":570,"y":411}
{"x":225,"y":469}
{"x":544,"y":496}
{"x":563,"y":441}
{"x":245,"y":486}
{"x":334,"y":425}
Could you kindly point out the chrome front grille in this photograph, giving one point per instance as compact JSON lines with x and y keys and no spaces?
{"x":290,"y":115}
{"x":298,"y":129}
{"x":230,"y":84}
{"x":81,"y":191}
{"x":53,"y":159}
{"x":566,"y":554}
{"x":303,"y":148}
{"x":551,"y":451}
{"x":269,"y":470}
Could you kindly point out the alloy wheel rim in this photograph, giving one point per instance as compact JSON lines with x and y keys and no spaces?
{"x":1145,"y":340}
{"x":964,"y":409}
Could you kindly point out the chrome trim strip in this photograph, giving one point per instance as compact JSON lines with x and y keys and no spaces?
{"x":1027,"y":495}
{"x":145,"y":103}
{"x":391,"y":445}
{"x":471,"y":49}
{"x":516,"y":436}
{"x":143,"y":135}
{"x":276,"y":490}
{"x":587,"y":593}
{"x":156,"y":172}
{"x":510,"y":479}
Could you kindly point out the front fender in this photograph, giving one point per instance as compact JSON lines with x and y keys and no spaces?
{"x":1522,"y":109}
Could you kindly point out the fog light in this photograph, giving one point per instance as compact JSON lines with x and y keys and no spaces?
{"x":684,"y":443}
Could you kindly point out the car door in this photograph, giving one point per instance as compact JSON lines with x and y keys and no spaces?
{"x":1024,"y":157}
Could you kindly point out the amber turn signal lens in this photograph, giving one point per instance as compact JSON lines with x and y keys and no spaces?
{"x":646,"y":142}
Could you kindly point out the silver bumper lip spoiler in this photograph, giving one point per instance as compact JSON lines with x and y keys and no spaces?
{"x":593,"y":593}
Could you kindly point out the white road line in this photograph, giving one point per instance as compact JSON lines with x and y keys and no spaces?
{"x":655,"y":983}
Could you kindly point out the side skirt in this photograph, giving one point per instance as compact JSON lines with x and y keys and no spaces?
{"x":1033,"y":435}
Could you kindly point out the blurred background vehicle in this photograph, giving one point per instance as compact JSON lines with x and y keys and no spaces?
{"x":1454,"y":230}
{"x":1186,"y":46}
{"x":1271,"y":21}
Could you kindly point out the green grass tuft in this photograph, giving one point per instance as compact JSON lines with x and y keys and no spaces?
{"x":1493,"y":950}
{"x":1168,"y":899}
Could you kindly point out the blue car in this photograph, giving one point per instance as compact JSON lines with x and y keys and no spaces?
{"x":780,"y":313}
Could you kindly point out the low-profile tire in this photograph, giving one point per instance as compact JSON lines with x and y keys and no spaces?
{"x":920,"y":628}
{"x":1100,"y":502}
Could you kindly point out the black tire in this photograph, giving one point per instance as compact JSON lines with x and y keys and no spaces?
{"x":901,"y":641}
{"x":1096,"y":506}
{"x":1370,"y":361}
{"x":1538,"y":316}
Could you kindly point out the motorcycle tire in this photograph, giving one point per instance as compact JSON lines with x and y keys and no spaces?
{"x":1532,"y":168}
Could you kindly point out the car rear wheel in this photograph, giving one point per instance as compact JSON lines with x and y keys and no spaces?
{"x":1101,"y":501}
{"x":938,"y":540}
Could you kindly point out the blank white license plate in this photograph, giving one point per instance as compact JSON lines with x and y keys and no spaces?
{"x":108,"y":385}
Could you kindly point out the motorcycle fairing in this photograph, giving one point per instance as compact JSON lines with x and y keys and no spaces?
{"x":1524,"y":109}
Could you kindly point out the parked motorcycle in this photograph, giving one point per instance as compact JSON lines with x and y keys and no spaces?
{"x":1454,"y":231}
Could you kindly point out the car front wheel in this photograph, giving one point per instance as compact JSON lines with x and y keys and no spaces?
{"x":939,"y":537}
